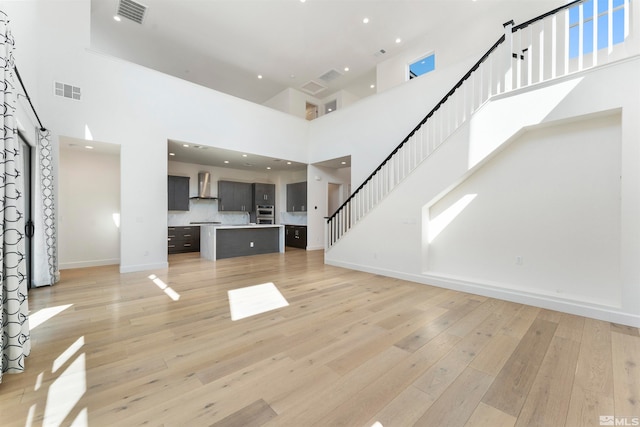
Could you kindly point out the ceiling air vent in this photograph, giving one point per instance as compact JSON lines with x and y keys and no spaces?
{"x":330,"y":75}
{"x":66,"y":91}
{"x":131,"y":10}
{"x":312,"y":87}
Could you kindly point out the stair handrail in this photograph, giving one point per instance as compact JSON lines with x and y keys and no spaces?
{"x":448,"y":95}
{"x":422,"y":122}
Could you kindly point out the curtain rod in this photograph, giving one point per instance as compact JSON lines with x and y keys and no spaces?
{"x":24,"y":89}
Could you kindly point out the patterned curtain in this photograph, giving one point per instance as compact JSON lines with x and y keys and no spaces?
{"x":45,"y":256}
{"x":15,"y":344}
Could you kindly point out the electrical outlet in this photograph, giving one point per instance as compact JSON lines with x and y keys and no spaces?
{"x":519,"y":260}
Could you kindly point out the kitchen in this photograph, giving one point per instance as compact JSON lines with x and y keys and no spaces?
{"x":244,"y":205}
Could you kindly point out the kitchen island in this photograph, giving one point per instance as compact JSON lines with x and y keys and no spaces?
{"x":227,"y":241}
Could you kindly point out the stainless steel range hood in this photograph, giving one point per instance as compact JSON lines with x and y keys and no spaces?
{"x":204,"y":187}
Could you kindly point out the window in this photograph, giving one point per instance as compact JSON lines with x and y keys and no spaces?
{"x":422,"y":66}
{"x":602,"y":17}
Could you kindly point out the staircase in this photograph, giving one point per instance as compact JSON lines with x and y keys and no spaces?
{"x":580,"y":35}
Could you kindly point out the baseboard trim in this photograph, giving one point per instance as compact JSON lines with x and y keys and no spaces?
{"x":605,"y":313}
{"x":143,"y":267}
{"x":92,"y":263}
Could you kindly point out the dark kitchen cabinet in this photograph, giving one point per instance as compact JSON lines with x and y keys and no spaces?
{"x":264,"y":194}
{"x":234,"y":196}
{"x":178,"y":187}
{"x":295,"y":236}
{"x":183,"y":239}
{"x":297,"y":197}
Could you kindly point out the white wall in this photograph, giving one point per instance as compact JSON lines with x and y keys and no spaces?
{"x":140,"y":109}
{"x":453,"y":45}
{"x":602,"y":244}
{"x":317,"y":187}
{"x":294,"y":102}
{"x":89,"y":201}
{"x":551,"y":198}
{"x":371,"y":128}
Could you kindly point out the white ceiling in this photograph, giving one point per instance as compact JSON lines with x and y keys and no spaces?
{"x":226,"y":44}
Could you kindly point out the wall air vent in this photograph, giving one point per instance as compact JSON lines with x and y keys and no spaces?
{"x":330,"y":76}
{"x":312,"y":87}
{"x":131,"y":10}
{"x":66,"y":91}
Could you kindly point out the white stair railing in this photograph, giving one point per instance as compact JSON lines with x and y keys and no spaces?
{"x":566,"y":40}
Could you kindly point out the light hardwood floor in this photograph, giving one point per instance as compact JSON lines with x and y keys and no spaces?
{"x":351,"y":349}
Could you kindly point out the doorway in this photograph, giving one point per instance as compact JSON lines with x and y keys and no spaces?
{"x":334,"y":197}
{"x":89,"y":203}
{"x":27,"y":191}
{"x":311,"y":111}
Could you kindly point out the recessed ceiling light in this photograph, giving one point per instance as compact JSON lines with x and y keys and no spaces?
{"x":185,"y":145}
{"x":117,"y":18}
{"x":343,"y":163}
{"x":269,"y":167}
{"x":88,"y":147}
{"x":398,"y":40}
{"x":288,"y":163}
{"x":172,"y":154}
{"x":244,"y":155}
{"x":302,"y":1}
{"x":365,"y":20}
{"x":259,"y":76}
{"x":346,"y":68}
{"x":372,"y":86}
{"x":226,"y":161}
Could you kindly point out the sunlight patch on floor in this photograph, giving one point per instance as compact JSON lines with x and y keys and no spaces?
{"x":252,"y":300}
{"x":67,"y":390}
{"x":167,"y":289}
{"x":39,"y":317}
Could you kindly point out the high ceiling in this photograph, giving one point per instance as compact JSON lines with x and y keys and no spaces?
{"x":227,"y":44}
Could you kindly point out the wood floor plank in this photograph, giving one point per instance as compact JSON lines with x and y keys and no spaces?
{"x":361,"y":353}
{"x":624,"y":329}
{"x":456,"y":405}
{"x":357,"y":408}
{"x":592,"y":393}
{"x":548,"y":400}
{"x":522,"y":321}
{"x":442,"y":374}
{"x":404,"y":410}
{"x":511,"y":387}
{"x":319,"y":408}
{"x":486,"y":415}
{"x":587,"y":406}
{"x":253,"y":415}
{"x":492,"y":358}
{"x":625,"y":349}
{"x":423,"y":335}
{"x":348,"y":350}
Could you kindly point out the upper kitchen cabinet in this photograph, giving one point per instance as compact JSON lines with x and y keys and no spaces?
{"x":234,"y":196}
{"x":264,"y":194}
{"x":297,"y":197}
{"x":178,"y":187}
